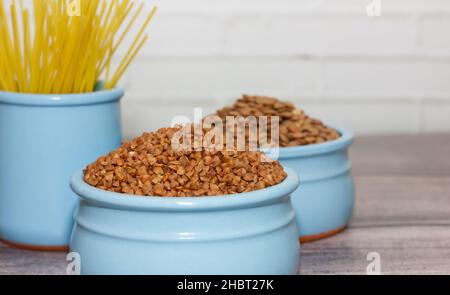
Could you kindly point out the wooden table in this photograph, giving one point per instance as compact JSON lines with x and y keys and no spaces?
{"x":402,"y":212}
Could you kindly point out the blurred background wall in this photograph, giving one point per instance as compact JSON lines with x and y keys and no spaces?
{"x":373,"y":74}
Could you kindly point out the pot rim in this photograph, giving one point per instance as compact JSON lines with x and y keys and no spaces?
{"x":256,"y":198}
{"x":98,"y":96}
{"x":342,"y":142}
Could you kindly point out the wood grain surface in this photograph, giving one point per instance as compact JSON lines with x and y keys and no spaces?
{"x":402,"y":212}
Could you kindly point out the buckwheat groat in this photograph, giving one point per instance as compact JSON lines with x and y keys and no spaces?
{"x":148,"y":165}
{"x":296,"y":128}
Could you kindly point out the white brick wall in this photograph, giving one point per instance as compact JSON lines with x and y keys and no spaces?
{"x":371,"y":74}
{"x":382,"y":74}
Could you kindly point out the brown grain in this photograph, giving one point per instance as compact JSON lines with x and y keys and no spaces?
{"x":296,"y":128}
{"x":148,"y":165}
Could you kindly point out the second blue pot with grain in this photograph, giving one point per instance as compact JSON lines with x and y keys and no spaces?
{"x":43,"y":140}
{"x":246,"y":233}
{"x":325,"y":199}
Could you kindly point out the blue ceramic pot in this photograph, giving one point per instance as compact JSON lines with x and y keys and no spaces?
{"x":44,"y":139}
{"x":324,"y":201}
{"x":247,"y":233}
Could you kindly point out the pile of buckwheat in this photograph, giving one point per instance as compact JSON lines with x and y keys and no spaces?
{"x":149,"y":166}
{"x":296,"y":128}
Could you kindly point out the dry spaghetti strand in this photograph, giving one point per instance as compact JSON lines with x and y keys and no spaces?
{"x":61,"y":46}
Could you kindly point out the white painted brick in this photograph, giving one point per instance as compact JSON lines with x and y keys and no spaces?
{"x":187,"y":35}
{"x":367,"y":117}
{"x":237,"y":6}
{"x":388,"y":6}
{"x":178,"y":79}
{"x":436,"y":117}
{"x":434,"y":36}
{"x":387,"y":79}
{"x":318,"y":35}
{"x":179,"y":34}
{"x":357,"y":7}
{"x":140,"y":117}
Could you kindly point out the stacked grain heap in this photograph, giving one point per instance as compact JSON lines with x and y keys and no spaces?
{"x":150,"y":166}
{"x":296,"y":128}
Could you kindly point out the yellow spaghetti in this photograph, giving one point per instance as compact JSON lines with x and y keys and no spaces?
{"x":66,"y":46}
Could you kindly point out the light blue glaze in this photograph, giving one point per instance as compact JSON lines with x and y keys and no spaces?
{"x":247,"y":233}
{"x":43,"y":140}
{"x":324,"y":201}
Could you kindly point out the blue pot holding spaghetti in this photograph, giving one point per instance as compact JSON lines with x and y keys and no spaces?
{"x":246,"y":233}
{"x":44,"y":139}
{"x":325,"y":199}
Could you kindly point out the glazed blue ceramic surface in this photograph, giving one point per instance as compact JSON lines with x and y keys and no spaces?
{"x":247,"y":233}
{"x":324,"y":200}
{"x":43,"y":140}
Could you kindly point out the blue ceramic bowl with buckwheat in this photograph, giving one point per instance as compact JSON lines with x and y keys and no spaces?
{"x":246,"y":233}
{"x":324,"y":201}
